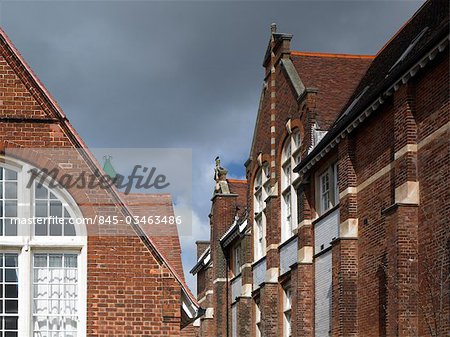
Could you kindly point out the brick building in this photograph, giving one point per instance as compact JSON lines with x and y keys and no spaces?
{"x":65,"y":279}
{"x":342,"y":226}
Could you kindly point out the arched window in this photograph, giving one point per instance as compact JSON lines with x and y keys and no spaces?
{"x":261,"y":191}
{"x":42,"y":258}
{"x":289,"y":159}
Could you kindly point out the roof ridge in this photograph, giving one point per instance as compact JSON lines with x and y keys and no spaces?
{"x":333,"y":55}
{"x":402,"y":27}
{"x":241,"y":181}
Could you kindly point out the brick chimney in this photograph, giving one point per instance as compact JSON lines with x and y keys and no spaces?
{"x":201,"y":247}
{"x":223,"y":211}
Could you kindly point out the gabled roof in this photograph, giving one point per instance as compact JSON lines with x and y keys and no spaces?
{"x":189,"y":303}
{"x":334,"y":75}
{"x":426,"y":32}
{"x":239,"y":187}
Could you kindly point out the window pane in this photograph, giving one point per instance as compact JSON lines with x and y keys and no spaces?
{"x":40,"y":227}
{"x":55,"y":261}
{"x":11,"y":208}
{"x":56,"y":208}
{"x":11,"y":291}
{"x":48,"y":205}
{"x":41,"y":209}
{"x":55,"y":228}
{"x":10,"y":227}
{"x":40,"y":260}
{"x":10,"y":174}
{"x":11,"y":306}
{"x":40,"y":324}
{"x":10,"y":190}
{"x":8,"y":294}
{"x":10,"y":260}
{"x":10,"y":275}
{"x":69,"y":229}
{"x":70,"y":261}
{"x":11,"y":323}
{"x":40,"y":192}
{"x":55,"y":288}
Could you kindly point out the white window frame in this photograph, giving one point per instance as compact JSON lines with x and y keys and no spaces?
{"x":290,"y":158}
{"x":331,"y":192}
{"x":25,"y":244}
{"x":261,"y":192}
{"x":336,"y":183}
{"x":237,"y":260}
{"x":16,"y":252}
{"x":287,"y":312}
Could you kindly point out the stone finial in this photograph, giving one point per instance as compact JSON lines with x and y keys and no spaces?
{"x":220,"y":173}
{"x":220,"y":176}
{"x":273,"y":27}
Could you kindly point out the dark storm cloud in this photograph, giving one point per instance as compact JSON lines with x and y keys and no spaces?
{"x":180,"y":74}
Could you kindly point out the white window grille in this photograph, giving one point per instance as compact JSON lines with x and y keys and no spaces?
{"x":328,"y":189}
{"x":261,"y":191}
{"x":291,"y":157}
{"x":40,"y":299}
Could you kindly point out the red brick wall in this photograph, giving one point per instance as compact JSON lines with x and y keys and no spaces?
{"x":375,"y":150}
{"x":383,"y":277}
{"x":434,"y":177}
{"x":130,"y":292}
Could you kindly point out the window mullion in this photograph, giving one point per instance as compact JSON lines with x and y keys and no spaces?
{"x":25,"y":301}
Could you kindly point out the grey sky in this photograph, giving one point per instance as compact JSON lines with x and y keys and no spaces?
{"x":180,"y":74}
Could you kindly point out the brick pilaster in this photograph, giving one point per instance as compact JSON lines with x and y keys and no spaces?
{"x":244,"y":316}
{"x":402,"y":222}
{"x":345,"y":249}
{"x":270,"y":304}
{"x":270,"y":300}
{"x":303,"y":272}
{"x":246,"y":304}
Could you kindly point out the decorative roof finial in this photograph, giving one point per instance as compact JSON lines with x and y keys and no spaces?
{"x":220,"y":173}
{"x":220,"y":176}
{"x":108,"y":168}
{"x":273,"y":27}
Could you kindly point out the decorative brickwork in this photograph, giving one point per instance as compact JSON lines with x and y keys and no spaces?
{"x":387,"y":217}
